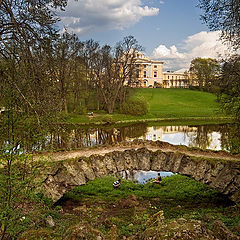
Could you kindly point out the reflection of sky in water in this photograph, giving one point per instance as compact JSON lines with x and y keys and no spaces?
{"x":204,"y":136}
{"x":143,"y":176}
{"x":184,"y":135}
{"x":181,"y":138}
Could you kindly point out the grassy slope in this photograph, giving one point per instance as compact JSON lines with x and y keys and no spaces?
{"x":164,"y":104}
{"x":180,"y":103}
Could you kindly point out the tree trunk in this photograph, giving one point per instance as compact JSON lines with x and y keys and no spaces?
{"x":65,"y":104}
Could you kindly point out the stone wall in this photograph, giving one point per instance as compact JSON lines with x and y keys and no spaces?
{"x":222,"y":175}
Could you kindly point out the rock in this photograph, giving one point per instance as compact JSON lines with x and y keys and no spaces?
{"x":180,"y":229}
{"x":83,"y":231}
{"x":81,"y":209}
{"x":183,"y":229}
{"x":222,"y":233}
{"x":50,"y":221}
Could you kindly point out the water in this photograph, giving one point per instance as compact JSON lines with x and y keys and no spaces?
{"x":143,"y":176}
{"x":65,"y":137}
{"x":215,"y":137}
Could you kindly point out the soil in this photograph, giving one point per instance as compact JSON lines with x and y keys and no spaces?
{"x":153,"y":146}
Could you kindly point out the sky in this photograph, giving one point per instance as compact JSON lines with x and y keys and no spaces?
{"x":169,"y":30}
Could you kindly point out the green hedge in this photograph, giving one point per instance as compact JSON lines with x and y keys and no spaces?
{"x":136,"y":107}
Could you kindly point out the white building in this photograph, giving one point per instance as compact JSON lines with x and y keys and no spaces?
{"x":150,"y":73}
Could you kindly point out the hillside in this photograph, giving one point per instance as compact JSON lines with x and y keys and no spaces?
{"x":180,"y":103}
{"x":163,"y":104}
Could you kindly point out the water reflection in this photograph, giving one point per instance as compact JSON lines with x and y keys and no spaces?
{"x":205,"y":137}
{"x":143,"y":176}
{"x":215,"y":137}
{"x":65,"y":137}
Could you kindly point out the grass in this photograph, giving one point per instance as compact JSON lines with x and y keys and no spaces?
{"x":98,"y":204}
{"x":164,"y":105}
{"x":177,"y":187}
{"x":178,"y":196}
{"x":180,"y":103}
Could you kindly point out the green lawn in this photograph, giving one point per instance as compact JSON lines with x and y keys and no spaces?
{"x":180,"y":103}
{"x":164,"y":104}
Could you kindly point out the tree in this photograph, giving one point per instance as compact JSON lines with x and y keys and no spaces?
{"x":25,"y":28}
{"x":229,"y":86}
{"x":223,"y":15}
{"x":204,"y":72}
{"x":112,"y":68}
{"x":66,"y":61}
{"x":28,"y":94}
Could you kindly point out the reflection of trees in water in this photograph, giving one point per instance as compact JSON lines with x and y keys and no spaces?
{"x":23,"y":137}
{"x":70,"y":137}
{"x":65,"y":137}
{"x":134,"y":131}
{"x":201,"y":137}
{"x":229,"y":136}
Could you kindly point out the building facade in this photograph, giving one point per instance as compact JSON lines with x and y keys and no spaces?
{"x":149,"y":73}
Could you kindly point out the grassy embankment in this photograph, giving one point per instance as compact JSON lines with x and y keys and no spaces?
{"x":102,"y":206}
{"x":164,"y":105}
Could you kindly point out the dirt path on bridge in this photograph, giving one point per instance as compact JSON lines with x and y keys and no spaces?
{"x":153,"y":146}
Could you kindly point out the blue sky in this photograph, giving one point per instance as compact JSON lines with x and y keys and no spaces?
{"x":176,"y":20}
{"x":169,"y":30}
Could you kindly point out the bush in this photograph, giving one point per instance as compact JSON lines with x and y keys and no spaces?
{"x":135,"y":107}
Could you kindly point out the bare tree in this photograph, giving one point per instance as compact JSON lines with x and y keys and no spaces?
{"x":66,"y":65}
{"x":114,"y":68}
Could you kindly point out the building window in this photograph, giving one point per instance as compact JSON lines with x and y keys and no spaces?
{"x":172,"y":77}
{"x":144,"y":66}
{"x":138,"y":74}
{"x":144,"y":74}
{"x":155,"y":66}
{"x":155,"y":74}
{"x":168,"y":77}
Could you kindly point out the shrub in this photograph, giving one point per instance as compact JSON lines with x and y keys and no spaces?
{"x":135,"y":107}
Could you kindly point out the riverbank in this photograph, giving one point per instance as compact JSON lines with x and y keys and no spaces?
{"x":164,"y":105}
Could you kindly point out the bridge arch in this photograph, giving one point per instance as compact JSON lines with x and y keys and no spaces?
{"x":222,"y":175}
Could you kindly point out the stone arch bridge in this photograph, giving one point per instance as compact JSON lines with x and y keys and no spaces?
{"x":219,"y":170}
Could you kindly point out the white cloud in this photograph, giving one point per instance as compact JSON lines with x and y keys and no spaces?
{"x":202,"y":44}
{"x":167,"y":53}
{"x":96,"y":15}
{"x":161,"y":2}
